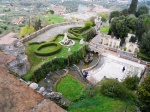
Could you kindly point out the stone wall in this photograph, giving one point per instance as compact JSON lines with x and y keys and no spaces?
{"x":35,"y":34}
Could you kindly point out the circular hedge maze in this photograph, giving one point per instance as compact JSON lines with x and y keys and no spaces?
{"x":43,"y":50}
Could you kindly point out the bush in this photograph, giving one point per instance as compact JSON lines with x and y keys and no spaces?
{"x":88,"y":24}
{"x":143,"y":56}
{"x":125,"y":48}
{"x":50,"y":52}
{"x":131,"y":82}
{"x":113,"y":88}
{"x":144,"y":95}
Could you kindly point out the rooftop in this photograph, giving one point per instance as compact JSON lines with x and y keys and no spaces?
{"x":16,"y":96}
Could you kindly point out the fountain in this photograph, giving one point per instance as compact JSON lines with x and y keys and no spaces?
{"x":88,"y":58}
{"x":66,"y":41}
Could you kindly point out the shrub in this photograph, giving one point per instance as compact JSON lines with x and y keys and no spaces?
{"x":143,"y":56}
{"x":131,"y":82}
{"x":50,"y":52}
{"x":125,"y":48}
{"x":113,"y":88}
{"x":88,"y":24}
{"x":144,"y":95}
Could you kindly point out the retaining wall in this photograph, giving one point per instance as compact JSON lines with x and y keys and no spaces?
{"x":35,"y":34}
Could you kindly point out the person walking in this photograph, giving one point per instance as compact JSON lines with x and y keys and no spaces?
{"x":123,"y":69}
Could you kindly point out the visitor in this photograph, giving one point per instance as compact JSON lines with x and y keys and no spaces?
{"x":123,"y":69}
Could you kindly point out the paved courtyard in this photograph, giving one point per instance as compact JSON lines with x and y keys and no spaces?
{"x":112,"y":68}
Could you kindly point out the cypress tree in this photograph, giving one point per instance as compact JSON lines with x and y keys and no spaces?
{"x":133,"y":6}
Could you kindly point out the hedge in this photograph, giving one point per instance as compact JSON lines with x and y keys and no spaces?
{"x":143,"y":56}
{"x":51,"y":52}
{"x":87,"y":32}
{"x":43,"y":68}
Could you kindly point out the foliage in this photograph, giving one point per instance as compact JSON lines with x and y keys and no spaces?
{"x":37,"y":25}
{"x":104,"y":16}
{"x":133,"y":39}
{"x":144,"y":95}
{"x":46,"y":50}
{"x":131,"y":82}
{"x":114,"y":14}
{"x":100,"y":103}
{"x":131,"y":23}
{"x":144,"y":44}
{"x":88,"y":24}
{"x":142,"y":10}
{"x":124,"y":12}
{"x":146,"y":24}
{"x":113,"y":88}
{"x":140,"y":28}
{"x":105,"y":29}
{"x":27,"y":30}
{"x":86,"y":32}
{"x":51,"y":11}
{"x":133,"y":6}
{"x":70,"y":88}
{"x":119,"y":27}
{"x":143,"y":56}
{"x":125,"y":48}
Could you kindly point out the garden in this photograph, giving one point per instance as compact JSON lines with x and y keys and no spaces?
{"x":48,"y":56}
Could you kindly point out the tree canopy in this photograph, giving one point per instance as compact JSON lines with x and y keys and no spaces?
{"x":145,"y":44}
{"x":26,"y":31}
{"x":142,"y":10}
{"x":114,"y":14}
{"x":140,"y":28}
{"x":144,"y":95}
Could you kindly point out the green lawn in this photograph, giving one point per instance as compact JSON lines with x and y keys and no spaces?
{"x":105,"y":29}
{"x":100,"y":103}
{"x":70,"y":87}
{"x":51,"y":18}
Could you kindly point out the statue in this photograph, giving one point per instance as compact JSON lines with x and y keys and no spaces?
{"x":98,"y":23}
{"x":81,"y":41}
{"x":65,"y":40}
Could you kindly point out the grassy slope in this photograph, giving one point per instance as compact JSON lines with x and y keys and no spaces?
{"x":52,"y":18}
{"x":36,"y":60}
{"x":100,"y":103}
{"x":105,"y":29}
{"x":70,"y":87}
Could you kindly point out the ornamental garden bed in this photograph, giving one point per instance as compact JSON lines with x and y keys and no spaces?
{"x":56,"y":57}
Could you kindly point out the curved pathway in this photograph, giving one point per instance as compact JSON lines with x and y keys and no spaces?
{"x":53,"y":32}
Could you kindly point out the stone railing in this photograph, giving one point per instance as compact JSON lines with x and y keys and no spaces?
{"x":35,"y":34}
{"x":123,"y":54}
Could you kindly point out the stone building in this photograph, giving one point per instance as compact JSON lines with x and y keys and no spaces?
{"x":131,"y":47}
{"x":9,"y":44}
{"x":107,"y":40}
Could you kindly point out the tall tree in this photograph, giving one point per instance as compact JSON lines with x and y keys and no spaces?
{"x":133,"y":6}
{"x":144,"y":95}
{"x":145,"y":44}
{"x":140,"y":28}
{"x":119,"y":27}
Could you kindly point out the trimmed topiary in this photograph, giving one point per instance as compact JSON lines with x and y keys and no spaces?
{"x":50,"y":52}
